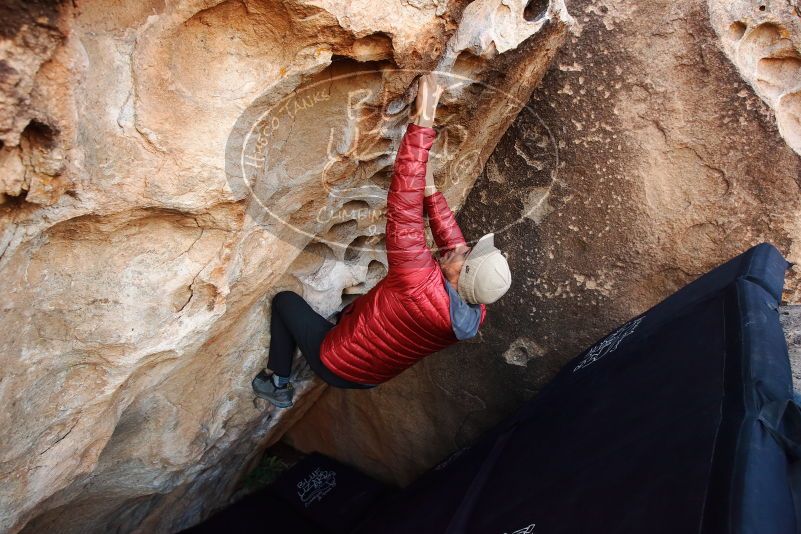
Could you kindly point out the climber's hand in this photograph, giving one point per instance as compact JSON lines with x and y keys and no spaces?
{"x":425,"y":105}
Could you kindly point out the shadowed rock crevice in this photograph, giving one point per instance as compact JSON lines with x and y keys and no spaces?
{"x":535,"y":10}
{"x":790,"y":316}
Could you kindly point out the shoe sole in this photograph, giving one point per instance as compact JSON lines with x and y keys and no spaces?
{"x":274,"y":402}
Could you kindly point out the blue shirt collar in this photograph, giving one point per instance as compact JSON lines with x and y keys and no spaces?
{"x":465,"y":317}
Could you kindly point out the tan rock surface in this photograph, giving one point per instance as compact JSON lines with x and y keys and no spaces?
{"x":165,"y":168}
{"x":763,"y":39}
{"x":644,"y":161}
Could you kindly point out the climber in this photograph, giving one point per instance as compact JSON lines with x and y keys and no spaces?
{"x":422,"y":305}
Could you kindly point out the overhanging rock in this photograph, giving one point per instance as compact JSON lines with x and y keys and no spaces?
{"x":144,"y":222}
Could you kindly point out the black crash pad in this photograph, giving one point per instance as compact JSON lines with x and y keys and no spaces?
{"x":679,"y":421}
{"x":318,"y":495}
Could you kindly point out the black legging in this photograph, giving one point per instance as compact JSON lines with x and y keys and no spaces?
{"x":295,"y":324}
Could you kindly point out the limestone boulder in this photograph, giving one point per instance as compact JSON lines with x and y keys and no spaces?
{"x":165,"y":168}
{"x":763,"y":40}
{"x":643,"y":160}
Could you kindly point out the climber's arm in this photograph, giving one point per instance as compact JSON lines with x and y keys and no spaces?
{"x":447,"y":233}
{"x":406,"y":243}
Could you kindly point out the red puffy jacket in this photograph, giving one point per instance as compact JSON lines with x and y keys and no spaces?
{"x":406,"y":316}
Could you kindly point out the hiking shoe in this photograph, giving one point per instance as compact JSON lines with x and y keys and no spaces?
{"x":263,"y":387}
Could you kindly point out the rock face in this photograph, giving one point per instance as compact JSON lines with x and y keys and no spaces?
{"x":763,"y":39}
{"x":790,"y":317}
{"x":642,"y":161}
{"x":165,"y":168}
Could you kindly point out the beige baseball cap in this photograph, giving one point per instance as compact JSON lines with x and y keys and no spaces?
{"x":485,"y":275}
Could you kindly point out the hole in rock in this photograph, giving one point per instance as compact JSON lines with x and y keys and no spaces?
{"x":348,"y":298}
{"x":382,"y":178}
{"x":467,"y":65}
{"x":737,"y":30}
{"x":352,"y":206}
{"x":375,"y":271}
{"x":374,"y":47}
{"x":359,"y":245}
{"x":778,"y":74}
{"x":339,"y":58}
{"x":339,"y":235}
{"x":762,"y":7}
{"x":12,"y":201}
{"x":344,"y":220}
{"x":763,"y":37}
{"x":355,"y":210}
{"x":311,"y":259}
{"x":342,"y":228}
{"x":39,"y":134}
{"x":535,"y":10}
{"x":764,"y":41}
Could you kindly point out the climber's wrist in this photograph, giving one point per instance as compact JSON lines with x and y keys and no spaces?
{"x":425,"y":103}
{"x":425,"y":119}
